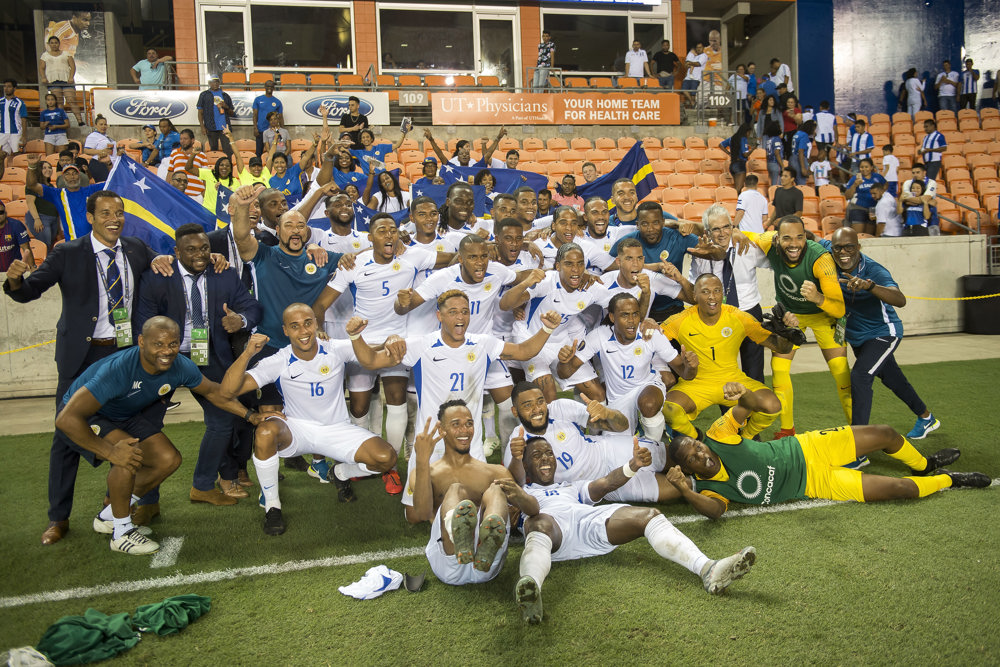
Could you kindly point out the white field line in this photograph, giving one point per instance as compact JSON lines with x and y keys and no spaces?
{"x":167,"y":555}
{"x":298,"y":565}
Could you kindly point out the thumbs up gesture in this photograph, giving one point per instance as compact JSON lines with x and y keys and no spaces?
{"x":517,"y":444}
{"x":231,"y":322}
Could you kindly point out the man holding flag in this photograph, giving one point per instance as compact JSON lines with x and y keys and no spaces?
{"x":635,"y":168}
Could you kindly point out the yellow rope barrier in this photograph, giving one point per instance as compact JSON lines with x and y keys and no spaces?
{"x":28,"y":347}
{"x":952,"y":298}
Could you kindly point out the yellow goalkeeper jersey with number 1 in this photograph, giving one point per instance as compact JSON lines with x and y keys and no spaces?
{"x":717,"y":345}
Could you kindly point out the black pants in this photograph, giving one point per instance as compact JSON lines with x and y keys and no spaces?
{"x":967,"y":101}
{"x":215,"y":138}
{"x":875,"y":359}
{"x":933,"y":169}
{"x":915,"y":230}
{"x":752,"y":354}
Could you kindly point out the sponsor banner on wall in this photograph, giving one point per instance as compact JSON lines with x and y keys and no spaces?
{"x":139,"y":107}
{"x":555,"y":109}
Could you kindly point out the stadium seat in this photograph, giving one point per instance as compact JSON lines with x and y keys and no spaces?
{"x":536,"y":167}
{"x":673,"y":142}
{"x":670,"y":154}
{"x":293,"y":80}
{"x":601,"y":82}
{"x":437,"y":81}
{"x":826,"y":191}
{"x":704,"y":180}
{"x":6,"y":193}
{"x":972,"y":149}
{"x":464,"y":81}
{"x":628,"y":82}
{"x":575,"y":82}
{"x":489,"y":82}
{"x":685,"y":167}
{"x":921,"y":116}
{"x":17,"y":208}
{"x":605,"y":144}
{"x":606,"y":166}
{"x":662,"y":180}
{"x":20,"y":161}
{"x":991,"y":123}
{"x":968,"y":125}
{"x":674,"y":195}
{"x":651,"y":153}
{"x":987,"y":173}
{"x":581,"y":144}
{"x":34,"y":146}
{"x":546,"y":155}
{"x":726,"y":193}
{"x":831,"y":223}
{"x":711,"y":166}
{"x":556,"y":144}
{"x":508,"y":143}
{"x":626,"y":143}
{"x":237,"y":79}
{"x":880,"y":118}
{"x":988,"y":192}
{"x":693,"y":154}
{"x":701,"y":194}
{"x":410,"y":81}
{"x":713,"y":142}
{"x":351,"y":81}
{"x":318,"y":80}
{"x":674,"y":209}
{"x":830,"y":207}
{"x":572,"y":156}
{"x":694,"y":142}
{"x":952,"y":162}
{"x":595,"y":155}
{"x":693,"y":210}
{"x":901,"y":117}
{"x":652,"y":142}
{"x":555,"y":83}
{"x":14,"y":175}
{"x":683,"y":181}
{"x":948,"y":125}
{"x":617,"y":153}
{"x":662,"y":166}
{"x":257,"y":79}
{"x":650,"y":82}
{"x":556,"y":170}
{"x":532,"y":144}
{"x":960,"y":187}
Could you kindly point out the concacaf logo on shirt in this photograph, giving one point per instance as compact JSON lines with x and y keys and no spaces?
{"x":310,"y":268}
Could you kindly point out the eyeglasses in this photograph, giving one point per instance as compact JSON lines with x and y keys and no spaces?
{"x":849,"y":247}
{"x":720,"y":229}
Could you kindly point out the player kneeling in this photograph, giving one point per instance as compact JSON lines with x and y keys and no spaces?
{"x":562,"y":523}
{"x":310,"y":377}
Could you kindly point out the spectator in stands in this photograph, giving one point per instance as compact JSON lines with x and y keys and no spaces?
{"x":820,"y":169}
{"x":14,"y":241}
{"x":546,"y":56}
{"x":43,"y":216}
{"x":488,"y":160}
{"x":263,"y":106}
{"x":98,"y":141}
{"x":151,"y":73}
{"x":915,"y":99}
{"x":179,"y":180}
{"x":72,"y":156}
{"x":544,"y":203}
{"x":970,"y":86}
{"x":774,"y":150}
{"x":769,"y":112}
{"x":13,"y":122}
{"x":861,"y":209}
{"x":637,"y":61}
{"x":791,"y":118}
{"x":738,"y":148}
{"x":214,"y":110}
{"x":946,"y":85}
{"x":625,"y":198}
{"x":752,"y":80}
{"x":148,"y":141}
{"x":69,"y":200}
{"x":253,"y":172}
{"x":566,"y":195}
{"x":783,"y":96}
{"x":826,"y":126}
{"x":990,"y":90}
{"x":928,"y":195}
{"x":275,"y":135}
{"x":428,"y":172}
{"x":181,"y":157}
{"x":57,"y":70}
{"x":801,"y":147}
{"x":751,"y":207}
{"x":932,"y":148}
{"x":354,"y":121}
{"x":166,"y":141}
{"x":285,"y":178}
{"x":887,"y":220}
{"x":780,"y":74}
{"x":344,"y":170}
{"x":221,"y":174}
{"x":916,"y":216}
{"x":512,"y":158}
{"x":738,"y":83}
{"x":486,"y":179}
{"x":54,"y":123}
{"x":695,"y":63}
{"x":665,"y":62}
{"x":389,"y":198}
{"x":890,"y":167}
{"x":589,"y":170}
{"x":861,"y":145}
{"x":787,"y":200}
{"x":373,"y":151}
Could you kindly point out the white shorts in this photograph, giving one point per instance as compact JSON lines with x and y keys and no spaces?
{"x":617,"y":450}
{"x":498,"y":376}
{"x":448,"y":570}
{"x":545,"y":364}
{"x":338,"y":441}
{"x":361,"y":379}
{"x":628,"y":404}
{"x":583,"y":531}
{"x":56,"y":139}
{"x":10,"y":143}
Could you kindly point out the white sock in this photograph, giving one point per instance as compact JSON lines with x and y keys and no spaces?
{"x":536,"y":560}
{"x":375,"y":415}
{"x":448,"y":516}
{"x":395,"y":425}
{"x":489,"y":421}
{"x":105,"y":513}
{"x":673,"y":545}
{"x":349,"y":470}
{"x":653,"y":426}
{"x":267,"y":476}
{"x":507,"y":422}
{"x":362,"y":421}
{"x":122,"y":526}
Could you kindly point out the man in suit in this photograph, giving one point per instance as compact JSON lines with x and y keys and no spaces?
{"x":199,"y":299}
{"x":96,"y":273}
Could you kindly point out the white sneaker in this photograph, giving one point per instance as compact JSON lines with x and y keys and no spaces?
{"x":135,"y":544}
{"x":108,"y":527}
{"x":723,"y":572}
{"x":490,"y":445}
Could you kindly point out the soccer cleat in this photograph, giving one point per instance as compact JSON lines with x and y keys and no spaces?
{"x":108,"y":527}
{"x":528,"y":596}
{"x":491,"y":534}
{"x":274,"y":523}
{"x":319,"y":470}
{"x":393,"y":485}
{"x":135,"y":543}
{"x":723,"y":572}
{"x":463,"y":530}
{"x":971,"y":480}
{"x":784,"y":433}
{"x":860,"y":463}
{"x":490,"y":445}
{"x":345,"y":492}
{"x":923,"y":427}
{"x":939,"y":459}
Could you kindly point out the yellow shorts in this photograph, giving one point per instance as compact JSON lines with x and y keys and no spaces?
{"x":825,"y":452}
{"x":822,"y":326}
{"x":705,"y":392}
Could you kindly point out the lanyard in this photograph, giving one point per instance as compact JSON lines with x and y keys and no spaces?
{"x":102,"y":272}
{"x":189,"y":319}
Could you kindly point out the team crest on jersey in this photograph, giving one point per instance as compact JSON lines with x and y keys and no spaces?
{"x":487,"y":287}
{"x":471,"y":356}
{"x":561,"y":436}
{"x":96,"y":429}
{"x":663,"y":256}
{"x":164,"y":390}
{"x":531,"y":368}
{"x":310,"y":268}
{"x":324,"y":370}
{"x":607,"y":247}
{"x":580,"y":305}
{"x":395,"y":266}
{"x":356,"y":245}
{"x":726,"y":332}
{"x":637,"y":351}
{"x":439,"y":247}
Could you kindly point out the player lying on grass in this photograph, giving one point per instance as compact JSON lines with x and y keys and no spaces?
{"x":728,"y":467}
{"x":458,"y":494}
{"x":562,"y":523}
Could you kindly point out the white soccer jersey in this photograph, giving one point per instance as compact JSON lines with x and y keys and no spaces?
{"x":374,"y":286}
{"x":578,"y":456}
{"x":342,"y":310}
{"x":560,"y":496}
{"x":424,"y":318}
{"x":484,"y":297}
{"x":826,"y":127}
{"x":548,"y":295}
{"x":754,"y":207}
{"x":626,"y":365}
{"x":354,"y":242}
{"x":659,"y":285}
{"x":312,"y":390}
{"x":503,"y":321}
{"x":598,"y":251}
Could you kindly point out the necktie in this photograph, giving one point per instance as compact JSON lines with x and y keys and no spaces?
{"x":197,"y":314}
{"x":728,"y":282}
{"x":113,"y":281}
{"x":246,"y":276}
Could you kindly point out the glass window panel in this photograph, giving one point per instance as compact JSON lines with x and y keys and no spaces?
{"x":226,"y":47}
{"x":496,"y":49}
{"x":290,"y":36}
{"x":427,"y":39}
{"x":589,"y":42}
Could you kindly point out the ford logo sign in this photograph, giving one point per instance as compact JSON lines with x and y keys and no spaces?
{"x":141,"y":108}
{"x":337,"y":104}
{"x":242,"y":108}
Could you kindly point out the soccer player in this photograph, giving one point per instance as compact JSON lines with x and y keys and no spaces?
{"x":562,"y":523}
{"x":714,"y":331}
{"x":458,"y":494}
{"x":805,"y":283}
{"x":310,"y":377}
{"x":598,"y":238}
{"x":729,"y":468}
{"x":342,"y":239}
{"x":643,"y":283}
{"x":113,"y":412}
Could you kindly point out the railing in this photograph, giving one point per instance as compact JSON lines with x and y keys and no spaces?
{"x":979,"y":215}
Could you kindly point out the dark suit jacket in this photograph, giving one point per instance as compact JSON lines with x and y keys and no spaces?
{"x":164,"y":295}
{"x":73,"y":266}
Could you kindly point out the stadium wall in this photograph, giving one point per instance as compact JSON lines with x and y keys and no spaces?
{"x":922,"y":267}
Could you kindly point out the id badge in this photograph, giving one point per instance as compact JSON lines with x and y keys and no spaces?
{"x":839,"y":329}
{"x":199,"y":347}
{"x":123,"y":327}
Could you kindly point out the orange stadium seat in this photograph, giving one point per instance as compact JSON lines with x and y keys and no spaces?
{"x":546,"y":155}
{"x":617,"y":153}
{"x":230,"y":79}
{"x":704,"y":180}
{"x":713,"y":142}
{"x":575,"y":82}
{"x":968,"y":125}
{"x":992,"y":123}
{"x":651,"y":153}
{"x":436,"y":81}
{"x":830,"y":207}
{"x":652,"y":142}
{"x":34,"y":146}
{"x":694,"y":142}
{"x":673,"y":142}
{"x":662,"y":179}
{"x":605,"y":144}
{"x":6,"y":193}
{"x":38,"y":250}
{"x":532,"y":144}
{"x":556,"y":144}
{"x":726,"y":193}
{"x":881,"y":118}
{"x":650,"y":82}
{"x":556,"y":170}
{"x":674,"y":195}
{"x":712,"y":166}
{"x":606,"y":166}
{"x":536,"y":167}
{"x":508,"y":143}
{"x":410,"y":81}
{"x":949,"y":125}
{"x":984,"y":174}
{"x":693,"y":210}
{"x":944,"y":113}
{"x":489,"y":81}
{"x":17,"y":209}
{"x":14,"y":175}
{"x":961,"y":187}
{"x":830,"y":223}
{"x":259,"y":78}
{"x":580,"y":144}
{"x":683,"y":181}
{"x":351,"y":81}
{"x":694,"y":154}
{"x":626,"y":143}
{"x":901,"y":117}
{"x":670,"y":154}
{"x":601,"y":82}
{"x":662,"y":166}
{"x":964,"y":114}
{"x":572,"y":156}
{"x":464,"y":80}
{"x":322,"y":80}
{"x":595,"y":155}
{"x":628,"y":82}
{"x":294,"y":80}
{"x":555,"y":83}
{"x":701,"y":194}
{"x":685,"y":167}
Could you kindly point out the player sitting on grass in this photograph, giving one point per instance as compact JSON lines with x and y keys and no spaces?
{"x":562,"y":523}
{"x":808,"y":465}
{"x":458,"y":495}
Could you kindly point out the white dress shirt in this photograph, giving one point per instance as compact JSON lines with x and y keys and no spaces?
{"x":744,"y":272}
{"x":103,"y":328}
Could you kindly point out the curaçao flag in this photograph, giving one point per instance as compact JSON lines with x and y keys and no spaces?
{"x":507,"y":180}
{"x":363,"y":217}
{"x":634,"y":166}
{"x":153,"y":208}
{"x":222,"y":218}
{"x":482,"y":204}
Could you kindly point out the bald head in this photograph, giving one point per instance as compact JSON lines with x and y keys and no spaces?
{"x":845,"y":235}
{"x":296,"y":309}
{"x":158,"y":324}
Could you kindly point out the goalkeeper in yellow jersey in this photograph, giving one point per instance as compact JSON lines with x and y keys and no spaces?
{"x":805,"y":283}
{"x":714,"y":331}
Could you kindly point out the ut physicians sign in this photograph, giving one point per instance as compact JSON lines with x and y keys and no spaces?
{"x":556,"y":109}
{"x":141,"y":107}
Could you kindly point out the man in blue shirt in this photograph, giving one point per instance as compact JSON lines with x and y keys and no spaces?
{"x":150,"y":73}
{"x":874,"y":331}
{"x":429,"y":169}
{"x":70,"y":201}
{"x":214,"y":109}
{"x":861,"y":144}
{"x":801,"y":145}
{"x":263,"y":105}
{"x":114,"y":412}
{"x":932,"y":148}
{"x":14,"y":242}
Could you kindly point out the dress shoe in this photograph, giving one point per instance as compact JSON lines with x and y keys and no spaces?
{"x":55,"y":532}
{"x":213,"y":497}
{"x":142,"y":515}
{"x":243,"y":479}
{"x":232,"y":489}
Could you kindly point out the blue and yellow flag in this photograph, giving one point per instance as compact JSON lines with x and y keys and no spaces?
{"x":153,"y":208}
{"x":507,"y":180}
{"x":634,"y":166}
{"x":222,"y":218}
